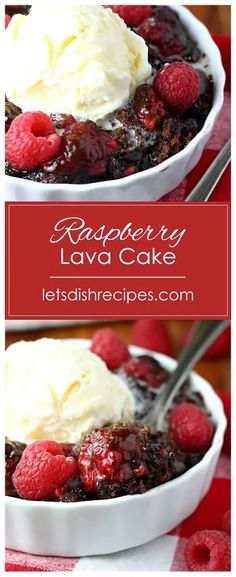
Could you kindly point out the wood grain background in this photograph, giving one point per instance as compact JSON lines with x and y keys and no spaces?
{"x":216,"y":371}
{"x":216,"y":18}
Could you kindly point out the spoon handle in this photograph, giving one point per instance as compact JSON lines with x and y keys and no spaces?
{"x":203,"y":335}
{"x":204,"y":188}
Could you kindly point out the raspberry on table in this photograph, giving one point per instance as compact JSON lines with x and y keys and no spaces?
{"x":43,"y":468}
{"x":220,"y":347}
{"x":132,"y":15}
{"x":31,"y":140}
{"x":226,"y":522}
{"x":13,"y":454}
{"x":208,"y":551}
{"x":110,"y":348}
{"x":190,"y":428}
{"x":178,"y":85}
{"x":152,"y":334}
{"x":7,"y":20}
{"x":124,"y":460}
{"x":148,"y":108}
{"x":146,"y":369}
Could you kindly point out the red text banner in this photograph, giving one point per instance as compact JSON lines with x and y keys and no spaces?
{"x":106,"y":260}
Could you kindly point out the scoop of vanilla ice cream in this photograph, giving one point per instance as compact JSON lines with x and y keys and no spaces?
{"x":73,"y":59}
{"x":58,"y":390}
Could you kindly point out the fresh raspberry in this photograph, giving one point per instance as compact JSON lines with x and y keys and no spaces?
{"x":13,"y":454}
{"x":122,"y":460}
{"x":7,"y":20}
{"x":31,"y":140}
{"x":148,"y":108}
{"x":42,"y":469}
{"x":178,"y":85}
{"x":38,"y":123}
{"x":147,"y":370}
{"x":226,"y":400}
{"x":110,"y":348}
{"x":220,"y":347}
{"x":132,"y":15}
{"x":190,"y":428}
{"x":208,"y":551}
{"x":226,"y":522}
{"x":153,"y":335}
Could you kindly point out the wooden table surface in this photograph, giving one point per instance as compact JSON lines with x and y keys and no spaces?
{"x":216,"y":371}
{"x":216,"y":18}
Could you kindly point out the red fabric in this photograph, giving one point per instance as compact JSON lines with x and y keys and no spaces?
{"x":210,"y":512}
{"x":219,"y":137}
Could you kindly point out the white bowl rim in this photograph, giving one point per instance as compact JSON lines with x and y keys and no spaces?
{"x":218,"y":100}
{"x":99,"y":503}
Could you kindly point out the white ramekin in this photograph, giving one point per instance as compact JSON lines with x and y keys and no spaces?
{"x":106,"y":526}
{"x":155,"y":182}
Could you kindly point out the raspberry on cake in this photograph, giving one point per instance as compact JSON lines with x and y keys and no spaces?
{"x":43,"y":468}
{"x":148,"y":108}
{"x":124,"y":460}
{"x":31,"y":140}
{"x":146,"y":369}
{"x":178,"y":86}
{"x":110,"y":348}
{"x":132,"y":15}
{"x":190,"y":428}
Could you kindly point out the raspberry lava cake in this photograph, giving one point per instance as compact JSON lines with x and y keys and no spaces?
{"x":140,"y":97}
{"x":82,"y":434}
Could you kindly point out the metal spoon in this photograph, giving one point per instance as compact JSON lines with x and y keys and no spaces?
{"x":203,"y":335}
{"x":204,"y":188}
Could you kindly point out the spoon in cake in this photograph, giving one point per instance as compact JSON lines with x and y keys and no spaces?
{"x":203,"y":335}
